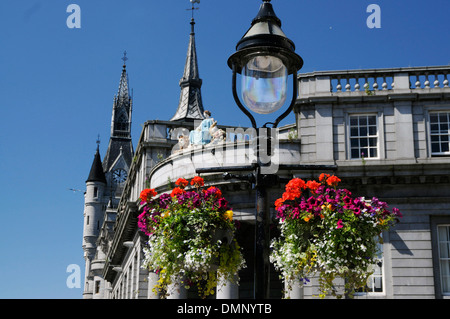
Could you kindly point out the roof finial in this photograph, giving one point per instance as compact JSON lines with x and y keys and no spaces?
{"x":98,"y":141}
{"x":193,"y":8}
{"x":124,"y":58}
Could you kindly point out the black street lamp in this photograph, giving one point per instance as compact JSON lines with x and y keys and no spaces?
{"x":265,"y":58}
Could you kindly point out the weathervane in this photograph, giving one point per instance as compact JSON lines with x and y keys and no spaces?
{"x":193,"y":8}
{"x":124,"y":57}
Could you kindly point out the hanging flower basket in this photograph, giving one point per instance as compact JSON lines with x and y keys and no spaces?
{"x":325,"y":231}
{"x":191,"y":237}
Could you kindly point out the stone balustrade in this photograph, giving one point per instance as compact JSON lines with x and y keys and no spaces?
{"x":374,"y":81}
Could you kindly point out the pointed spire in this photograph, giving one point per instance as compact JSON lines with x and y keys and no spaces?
{"x":96,"y":174}
{"x":121,"y":119}
{"x":190,"y":105}
{"x":120,"y":123}
{"x":123,"y":85}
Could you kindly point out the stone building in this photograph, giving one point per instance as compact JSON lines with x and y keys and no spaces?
{"x":386,"y":130}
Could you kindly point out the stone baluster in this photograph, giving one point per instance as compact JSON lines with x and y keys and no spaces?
{"x":445,"y":81}
{"x":384,"y":85}
{"x":357,"y":84}
{"x":339,"y":86}
{"x":375,"y":83}
{"x":366,"y":84}
{"x":436,"y":81}
{"x":417,"y":84}
{"x":348,"y":86}
{"x":427,"y":82}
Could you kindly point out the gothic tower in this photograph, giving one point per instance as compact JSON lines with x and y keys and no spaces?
{"x":104,"y":187}
{"x":190,"y":106}
{"x":120,"y":151}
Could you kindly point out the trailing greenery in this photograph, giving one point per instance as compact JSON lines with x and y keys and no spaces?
{"x":191,"y":237}
{"x":325,"y":231}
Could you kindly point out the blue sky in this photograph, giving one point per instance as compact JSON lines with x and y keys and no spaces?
{"x":57,"y":86}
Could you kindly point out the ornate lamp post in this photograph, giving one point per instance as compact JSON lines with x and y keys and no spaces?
{"x":265,"y":58}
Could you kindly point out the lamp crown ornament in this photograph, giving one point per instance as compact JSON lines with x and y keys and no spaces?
{"x":265,"y":58}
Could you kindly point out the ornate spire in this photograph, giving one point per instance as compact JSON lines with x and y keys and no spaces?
{"x":120,"y":123}
{"x":121,"y":119}
{"x":190,"y":106}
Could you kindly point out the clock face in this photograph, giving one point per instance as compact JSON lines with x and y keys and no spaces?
{"x":119,"y":175}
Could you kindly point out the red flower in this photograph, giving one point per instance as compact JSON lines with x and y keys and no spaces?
{"x":181,"y":182}
{"x":313,"y":185}
{"x":290,"y":196}
{"x":323,"y":177}
{"x":177,"y":191}
{"x":197,"y":181}
{"x":214,"y":190}
{"x":146,"y":194}
{"x":333,"y":180}
{"x":296,"y":184}
{"x":279,"y":202}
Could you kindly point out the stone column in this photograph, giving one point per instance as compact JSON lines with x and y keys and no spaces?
{"x":227,"y":289}
{"x":177,"y":291}
{"x":296,"y":290}
{"x":152,"y":281}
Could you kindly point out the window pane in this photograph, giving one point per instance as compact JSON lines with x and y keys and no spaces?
{"x":433,"y":119}
{"x":355,"y":153}
{"x":372,"y":120}
{"x":354,"y":142}
{"x":372,"y":130}
{"x":363,"y":131}
{"x":365,"y":151}
{"x":373,"y":152}
{"x":353,"y":121}
{"x":444,"y":147}
{"x":435,"y":148}
{"x":372,"y":141}
{"x":363,"y":142}
{"x":378,"y":284}
{"x":435,"y":138}
{"x":434,"y":128}
{"x":354,"y":131}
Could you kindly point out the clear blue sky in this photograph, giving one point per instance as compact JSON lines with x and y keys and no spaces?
{"x":57,"y":86}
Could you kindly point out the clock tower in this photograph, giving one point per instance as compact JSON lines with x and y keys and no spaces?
{"x":120,"y":151}
{"x":104,"y":187}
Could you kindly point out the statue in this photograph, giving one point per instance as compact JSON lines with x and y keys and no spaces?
{"x":183,"y":142}
{"x":218,"y":135}
{"x":201,"y":135}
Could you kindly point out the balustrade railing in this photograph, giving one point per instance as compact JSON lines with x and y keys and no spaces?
{"x":372,"y":81}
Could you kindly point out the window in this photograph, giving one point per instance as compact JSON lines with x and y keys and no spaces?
{"x":97,"y":286}
{"x":95,"y":192}
{"x":443,"y":232}
{"x":440,"y":133}
{"x":363,"y":136}
{"x":375,"y":281}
